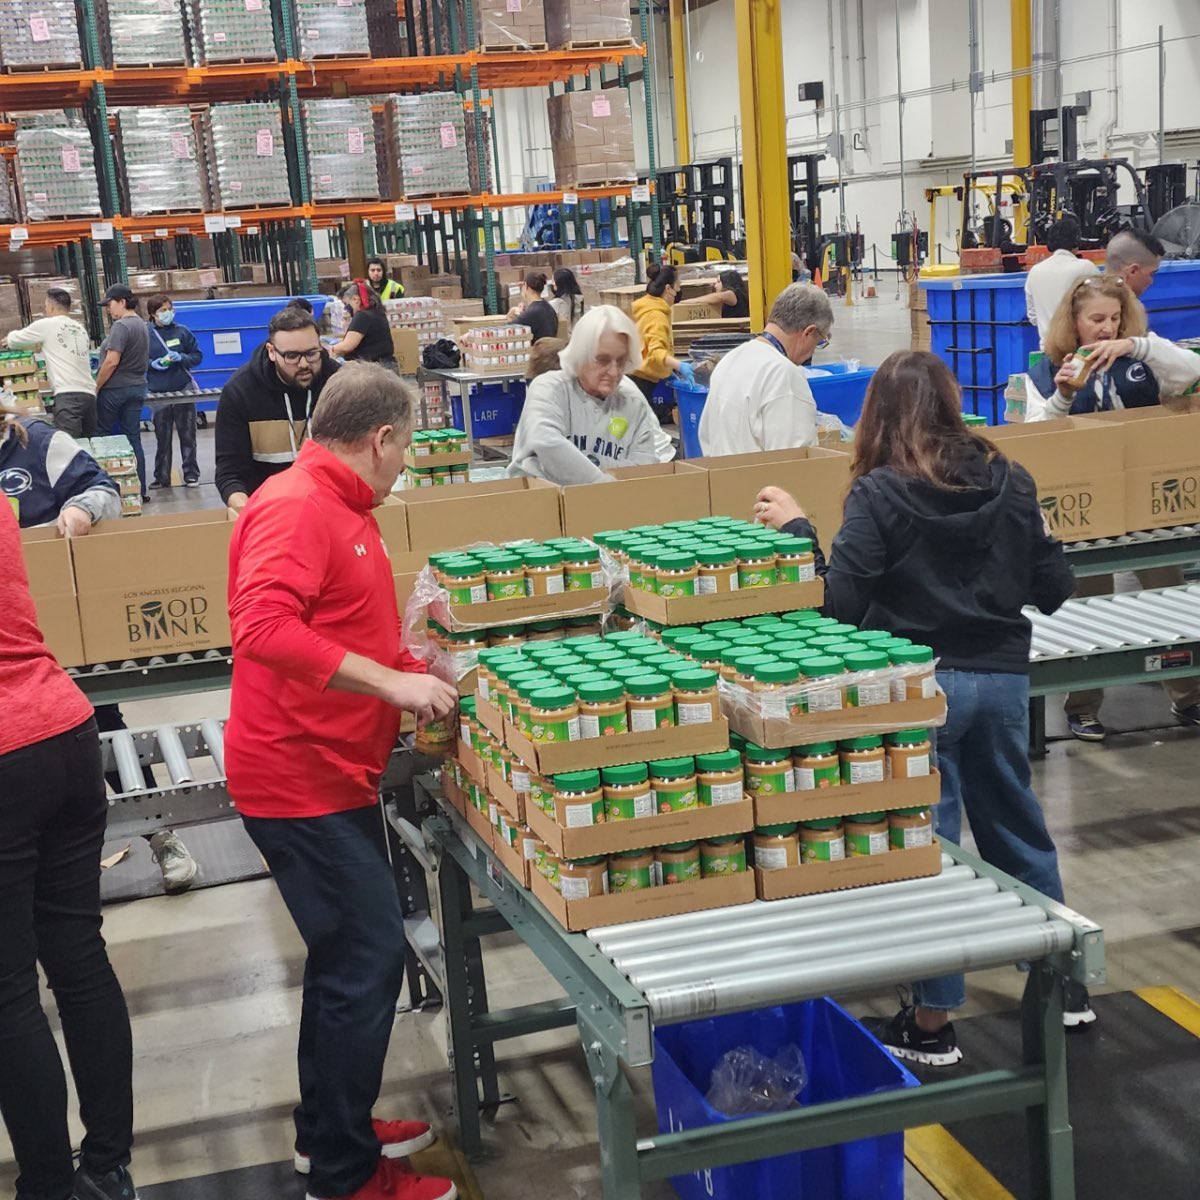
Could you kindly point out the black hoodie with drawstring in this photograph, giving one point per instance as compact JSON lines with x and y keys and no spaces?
{"x":948,"y":568}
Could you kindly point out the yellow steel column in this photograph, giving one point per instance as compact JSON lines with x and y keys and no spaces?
{"x":764,"y":142}
{"x":679,"y":68}
{"x":1022,"y":85}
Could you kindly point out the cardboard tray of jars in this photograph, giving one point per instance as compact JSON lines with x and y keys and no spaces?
{"x":723,"y":606}
{"x":814,"y":878}
{"x":847,"y":799}
{"x":465,"y":618}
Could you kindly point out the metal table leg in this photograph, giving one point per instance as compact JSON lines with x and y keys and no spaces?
{"x":615,"y":1118}
{"x":1051,"y":1150}
{"x":1037,"y":726}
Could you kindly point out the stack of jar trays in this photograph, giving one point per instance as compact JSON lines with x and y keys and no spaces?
{"x":689,"y":572}
{"x":116,"y":459}
{"x":437,"y":457}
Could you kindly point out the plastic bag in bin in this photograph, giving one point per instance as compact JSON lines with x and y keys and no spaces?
{"x":746,"y":1081}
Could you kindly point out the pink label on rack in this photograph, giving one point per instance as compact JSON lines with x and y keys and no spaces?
{"x":313,"y":35}
{"x":449,"y":137}
{"x":39,"y":29}
{"x":70,"y":160}
{"x":512,"y":6}
{"x":40,"y":197}
{"x":208,"y":278}
{"x":179,"y":145}
{"x":345,"y":3}
{"x":355,"y":141}
{"x":417,"y":169}
{"x":325,"y":180}
{"x":219,"y":36}
{"x":254,"y":5}
{"x":601,"y":107}
{"x":264,"y":143}
{"x":235,"y":185}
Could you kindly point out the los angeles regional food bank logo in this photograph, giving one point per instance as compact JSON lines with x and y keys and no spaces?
{"x":1068,"y":511}
{"x":169,"y":619}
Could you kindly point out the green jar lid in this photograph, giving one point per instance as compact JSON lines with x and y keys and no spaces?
{"x":598,"y":690}
{"x":869,"y":741}
{"x":743,"y":636}
{"x":841,"y":627}
{"x":542,"y":556}
{"x":736,"y":741}
{"x":677,"y":847}
{"x":547,"y":626}
{"x":777,"y":830}
{"x":787,"y":544}
{"x":584,"y":862}
{"x":869,"y":637}
{"x":802,"y":616}
{"x":815,"y":749}
{"x":672,"y":633}
{"x":791,"y":634}
{"x":913,"y":812}
{"x":912,"y":655}
{"x":721,"y":626}
{"x":907,"y":737}
{"x":461,"y":568}
{"x":721,"y":760}
{"x":623,"y":636}
{"x":543,"y":650}
{"x":501,"y":560}
{"x":725,"y":840}
{"x":822,"y":823}
{"x":552,"y":697}
{"x":584,"y":622}
{"x":731,"y":654}
{"x":467,"y":704}
{"x":580,"y":642}
{"x":644,"y":530}
{"x":865,"y":660}
{"x":640,"y":650}
{"x":629,"y":773}
{"x":648,"y":685}
{"x":577,"y":781}
{"x":507,"y":631}
{"x":709,"y":650}
{"x":561,"y":659}
{"x":818,"y":665}
{"x":795,"y":652}
{"x":694,"y":679}
{"x":759,"y":622}
{"x":676,"y":560}
{"x":871,"y":818}
{"x":757,"y":753}
{"x":712,"y":555}
{"x":610,"y":538}
{"x":824,"y":640}
{"x":672,"y":768}
{"x":752,"y":550}
{"x":747,"y":662}
{"x":495,"y":656}
{"x":777,"y":672}
{"x":631,"y":670}
{"x":602,"y":653}
{"x":576,"y":677}
{"x":526,"y":686}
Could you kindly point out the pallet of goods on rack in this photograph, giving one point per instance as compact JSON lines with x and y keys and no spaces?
{"x":37,"y":35}
{"x":246,"y":159}
{"x":428,"y":145}
{"x":340,"y":135}
{"x":504,"y":26}
{"x":158,"y":160}
{"x":591,"y":134}
{"x":232,"y":31}
{"x":143,"y":33}
{"x":56,"y":166}
{"x":588,"y":24}
{"x":332,"y":29}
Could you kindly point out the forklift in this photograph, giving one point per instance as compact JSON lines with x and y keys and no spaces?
{"x":696,"y":211}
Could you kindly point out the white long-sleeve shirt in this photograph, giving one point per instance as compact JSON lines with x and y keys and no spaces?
{"x":64,"y":342}
{"x":757,"y":400}
{"x":1048,"y":282}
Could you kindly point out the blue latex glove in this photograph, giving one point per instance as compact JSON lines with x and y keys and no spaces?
{"x":160,"y":364}
{"x":173,"y":356}
{"x":687,"y":372}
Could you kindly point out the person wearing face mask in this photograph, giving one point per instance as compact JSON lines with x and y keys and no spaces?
{"x":758,"y":397}
{"x":582,"y":420}
{"x":652,"y":312}
{"x":265,"y":407}
{"x":173,"y":353}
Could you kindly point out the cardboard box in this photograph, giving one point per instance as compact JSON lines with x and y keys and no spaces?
{"x":480,"y":822}
{"x":666,"y":901}
{"x":812,"y":878}
{"x":447,"y":517}
{"x":156,"y":585}
{"x":1079,"y":468}
{"x":406,"y":346}
{"x":512,"y":860}
{"x":819,"y":479}
{"x":775,"y":733}
{"x":638,"y":834}
{"x":406,"y":567}
{"x":843,"y":800}
{"x":464,"y":459}
{"x":52,"y":585}
{"x":724,"y":606}
{"x":513,"y":803}
{"x":1161,"y":455}
{"x":471,"y":763}
{"x":392,"y":519}
{"x":675,"y":491}
{"x":462,"y":617}
{"x":454,"y":795}
{"x":446,"y":291}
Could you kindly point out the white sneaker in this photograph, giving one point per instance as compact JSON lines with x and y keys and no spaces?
{"x":178,"y":867}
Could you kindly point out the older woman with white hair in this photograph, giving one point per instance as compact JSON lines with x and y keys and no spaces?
{"x":582,"y":420}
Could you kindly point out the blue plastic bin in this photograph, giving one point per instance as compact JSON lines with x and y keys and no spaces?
{"x":843,"y":392}
{"x":1173,"y":300}
{"x":495,"y":408}
{"x":689,"y":399}
{"x":843,"y":1060}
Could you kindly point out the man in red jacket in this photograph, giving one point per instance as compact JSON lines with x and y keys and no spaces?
{"x":319,"y":684}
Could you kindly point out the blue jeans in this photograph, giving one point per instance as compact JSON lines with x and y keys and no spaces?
{"x":119,"y":410}
{"x":334,"y":877}
{"x":983,"y":755}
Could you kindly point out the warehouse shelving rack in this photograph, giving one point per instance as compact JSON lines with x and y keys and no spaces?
{"x":447,"y":232}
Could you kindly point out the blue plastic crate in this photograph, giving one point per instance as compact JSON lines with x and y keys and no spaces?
{"x":842,"y":393}
{"x":1173,"y":300}
{"x":495,"y":408}
{"x":843,"y":1060}
{"x":689,"y":399}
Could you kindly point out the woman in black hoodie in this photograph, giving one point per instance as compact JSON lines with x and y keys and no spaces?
{"x":943,"y":542}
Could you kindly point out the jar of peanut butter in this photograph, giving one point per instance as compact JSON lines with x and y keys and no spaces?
{"x":464,"y":580}
{"x":909,"y":754}
{"x":651,"y":702}
{"x":578,"y":800}
{"x":863,"y":760}
{"x":581,"y":567}
{"x":720,"y":856}
{"x":717,"y":571}
{"x":602,"y":710}
{"x":756,"y":565}
{"x":873,"y":685}
{"x":776,"y":847}
{"x":627,"y":792}
{"x":583,"y":878}
{"x":768,"y":772}
{"x":720,"y":778}
{"x":553,"y":715}
{"x":673,"y":781}
{"x":528,"y":843}
{"x":794,"y":560}
{"x":675,"y":574}
{"x":678,"y":862}
{"x":522,"y":779}
{"x":507,"y":635}
{"x":866,"y":834}
{"x":505,"y":575}
{"x":696,"y":698}
{"x":551,"y":867}
{"x":541,"y":793}
{"x":466,"y":715}
{"x":910,"y":828}
{"x":543,"y":572}
{"x":816,"y":766}
{"x":633,"y":871}
{"x":770,"y":680}
{"x":916,"y":673}
{"x":823,"y":689}
{"x":822,"y":840}
{"x":746,"y":664}
{"x":707,"y":652}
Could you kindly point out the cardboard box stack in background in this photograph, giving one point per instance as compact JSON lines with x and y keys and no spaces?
{"x":427,"y":145}
{"x":56,"y":166}
{"x":115,"y":456}
{"x":587,"y":23}
{"x":10,"y":307}
{"x":232,"y":31}
{"x":511,"y":24}
{"x":245,"y":154}
{"x":500,"y":350}
{"x":421,"y":315}
{"x":591,"y":135}
{"x":34,"y":289}
{"x":158,"y":159}
{"x":35,"y":33}
{"x":918,"y":304}
{"x":144,"y":33}
{"x":332,"y":28}
{"x":341,"y":149}
{"x":146,"y":283}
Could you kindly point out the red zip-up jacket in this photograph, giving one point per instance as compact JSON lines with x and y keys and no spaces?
{"x":309,"y":581}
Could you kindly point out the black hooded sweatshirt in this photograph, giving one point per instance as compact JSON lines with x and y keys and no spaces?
{"x":948,"y":568}
{"x":253,"y":442}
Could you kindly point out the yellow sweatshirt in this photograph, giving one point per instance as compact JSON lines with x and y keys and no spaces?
{"x":653,"y":317}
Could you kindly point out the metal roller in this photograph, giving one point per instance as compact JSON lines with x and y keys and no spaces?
{"x":174,"y":755}
{"x":129,"y":766}
{"x":213,"y":732}
{"x":942,"y":956}
{"x":1179,"y":612}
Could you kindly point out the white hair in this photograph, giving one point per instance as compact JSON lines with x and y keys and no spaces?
{"x":586,"y":335}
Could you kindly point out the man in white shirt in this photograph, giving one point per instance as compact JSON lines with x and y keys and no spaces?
{"x":1051,"y":279}
{"x":759,"y":398}
{"x":64,"y":342}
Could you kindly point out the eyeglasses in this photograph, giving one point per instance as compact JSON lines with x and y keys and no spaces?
{"x":292,"y":357}
{"x":606,"y":362}
{"x":824,"y":342}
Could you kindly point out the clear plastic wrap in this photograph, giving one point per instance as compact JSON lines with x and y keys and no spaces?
{"x":511,"y":24}
{"x":145,"y":33}
{"x":158,"y":160}
{"x":8,"y":200}
{"x":246,"y":155}
{"x":595,"y":278}
{"x":332,"y":28}
{"x":428,"y":144}
{"x":233,"y":31}
{"x":588,"y":23}
{"x":746,"y":1081}
{"x":37,"y":33}
{"x":340,"y":136}
{"x":591,"y":135}
{"x":56,"y":166}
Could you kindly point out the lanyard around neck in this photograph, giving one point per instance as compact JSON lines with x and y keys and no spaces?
{"x":774,"y":341}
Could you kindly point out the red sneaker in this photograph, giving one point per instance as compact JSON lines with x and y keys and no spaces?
{"x":393,"y":1182}
{"x":399,"y":1138}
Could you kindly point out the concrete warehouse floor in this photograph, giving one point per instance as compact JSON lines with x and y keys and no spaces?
{"x":213,"y":977}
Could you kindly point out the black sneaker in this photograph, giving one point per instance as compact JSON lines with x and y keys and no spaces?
{"x":1077,"y":1009}
{"x":116,"y":1185}
{"x":1186,"y":716}
{"x":901,"y":1037}
{"x":1086,"y":729}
